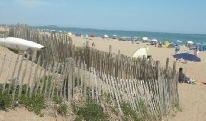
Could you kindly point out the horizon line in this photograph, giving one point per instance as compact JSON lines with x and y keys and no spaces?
{"x":94,"y":28}
{"x":59,"y":26}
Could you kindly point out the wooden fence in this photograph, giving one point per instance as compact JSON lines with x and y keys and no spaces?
{"x":80,"y":72}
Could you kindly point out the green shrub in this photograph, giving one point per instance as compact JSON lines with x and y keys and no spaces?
{"x":58,"y":100}
{"x":46,"y":81}
{"x":34,"y":103}
{"x":142,"y":108}
{"x":114,"y":110}
{"x":78,"y":118}
{"x":5,"y":101}
{"x":62,"y":109}
{"x":91,"y":111}
{"x":129,"y":113}
{"x":177,"y":106}
{"x":108,"y":97}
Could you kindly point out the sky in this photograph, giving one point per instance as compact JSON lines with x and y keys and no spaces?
{"x":175,"y":16}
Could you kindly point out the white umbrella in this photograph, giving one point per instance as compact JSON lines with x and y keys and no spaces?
{"x":125,"y":37}
{"x":179,"y":41}
{"x":154,"y":40}
{"x":105,"y":36}
{"x":140,"y":53}
{"x":190,"y":42}
{"x":145,"y":38}
{"x":69,"y":33}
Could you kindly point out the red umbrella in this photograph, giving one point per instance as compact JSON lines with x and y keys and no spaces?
{"x":92,"y":35}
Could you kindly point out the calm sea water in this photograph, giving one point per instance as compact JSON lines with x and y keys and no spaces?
{"x":172,"y":37}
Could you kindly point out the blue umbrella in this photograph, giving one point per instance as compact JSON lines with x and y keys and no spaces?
{"x":187,"y":56}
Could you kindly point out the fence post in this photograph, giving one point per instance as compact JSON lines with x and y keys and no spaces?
{"x":70,"y":79}
{"x":17,"y":78}
{"x":24,"y":72}
{"x":34,"y":78}
{"x":7,"y":76}
{"x":159,"y":81}
{"x":52,"y":79}
{"x":43,"y":77}
{"x":2,"y":64}
{"x":12,"y":77}
{"x":167,"y":65}
{"x":28,"y":88}
{"x":175,"y":82}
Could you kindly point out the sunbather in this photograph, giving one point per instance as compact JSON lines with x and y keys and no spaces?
{"x":182,"y":78}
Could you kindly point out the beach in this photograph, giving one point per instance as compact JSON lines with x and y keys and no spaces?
{"x":194,"y":70}
{"x":191,"y":97}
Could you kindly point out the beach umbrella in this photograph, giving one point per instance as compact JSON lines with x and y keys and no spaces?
{"x":114,"y":36}
{"x":92,"y":35}
{"x":69,"y":33}
{"x":179,"y":41}
{"x":105,"y":36}
{"x":86,"y":36}
{"x":187,"y":56}
{"x":190,"y":42}
{"x":154,"y":40}
{"x":166,"y":43}
{"x":140,"y":53}
{"x":145,"y":38}
{"x":171,"y":45}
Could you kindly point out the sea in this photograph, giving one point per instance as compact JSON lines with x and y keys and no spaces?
{"x":130,"y":35}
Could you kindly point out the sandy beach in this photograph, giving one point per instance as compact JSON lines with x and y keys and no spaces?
{"x":192,"y":97}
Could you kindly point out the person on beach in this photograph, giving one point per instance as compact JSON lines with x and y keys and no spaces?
{"x":160,"y":44}
{"x":177,"y":49}
{"x":93,"y":44}
{"x":182,"y":78}
{"x":132,"y":41}
{"x":196,"y":50}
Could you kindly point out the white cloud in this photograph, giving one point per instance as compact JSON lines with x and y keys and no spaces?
{"x":32,"y":3}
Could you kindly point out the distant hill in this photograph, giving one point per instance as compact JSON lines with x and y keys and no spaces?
{"x":48,"y":26}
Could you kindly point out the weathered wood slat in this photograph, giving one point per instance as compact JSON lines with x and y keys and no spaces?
{"x":16,"y":81}
{"x":24,"y":72}
{"x":8,"y":70}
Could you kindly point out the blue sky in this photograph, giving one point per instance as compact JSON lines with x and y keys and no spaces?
{"x":177,"y":16}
